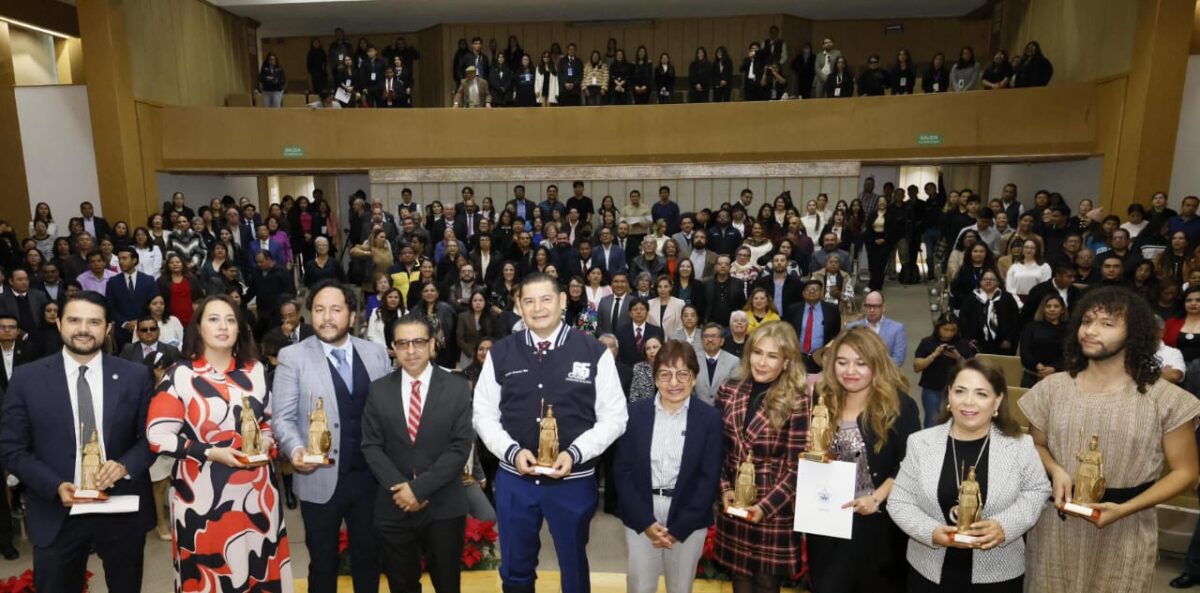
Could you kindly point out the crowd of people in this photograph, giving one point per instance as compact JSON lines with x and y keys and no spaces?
{"x":671,"y":348}
{"x":362,"y":76}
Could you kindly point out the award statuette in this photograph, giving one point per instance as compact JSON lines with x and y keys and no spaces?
{"x":1089,"y":481}
{"x":319,"y":437}
{"x":745,"y":491}
{"x":468,"y":479}
{"x":251,"y":453}
{"x":968,"y":509}
{"x":819,"y":435}
{"x":547,"y":441}
{"x":90,"y":462}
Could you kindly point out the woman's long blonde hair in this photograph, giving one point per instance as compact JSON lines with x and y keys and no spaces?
{"x":887,"y":383}
{"x":791,"y":385}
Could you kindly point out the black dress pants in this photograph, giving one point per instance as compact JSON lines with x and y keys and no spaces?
{"x":117,"y":539}
{"x":352,"y":502}
{"x":877,"y":262}
{"x":441,"y":543}
{"x":868,"y":563}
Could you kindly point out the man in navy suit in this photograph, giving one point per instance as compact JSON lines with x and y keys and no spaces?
{"x":263,"y":243}
{"x":632,"y":336}
{"x":128,"y":294}
{"x":608,"y":254}
{"x":51,"y":406}
{"x":826,"y":323}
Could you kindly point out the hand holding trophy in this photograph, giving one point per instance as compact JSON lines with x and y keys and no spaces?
{"x":547,"y":442}
{"x":320,"y":440}
{"x":90,"y":461}
{"x":252,"y":453}
{"x":1089,"y":481}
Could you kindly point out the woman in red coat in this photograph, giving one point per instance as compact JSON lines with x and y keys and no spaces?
{"x":765,"y":412}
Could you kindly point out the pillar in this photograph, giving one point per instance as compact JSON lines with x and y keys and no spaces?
{"x":14,"y":207}
{"x":124,"y":194}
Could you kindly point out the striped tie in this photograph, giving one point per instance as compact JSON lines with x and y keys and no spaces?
{"x":414,"y":411}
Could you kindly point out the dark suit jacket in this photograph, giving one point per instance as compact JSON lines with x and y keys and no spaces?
{"x":37,"y":302}
{"x":103,"y":229}
{"x":627,"y":346}
{"x":306,"y":330}
{"x":699,"y":471}
{"x":605,"y":321}
{"x":614,"y":263}
{"x":432,"y":466}
{"x":718,"y":311}
{"x":792,"y":288}
{"x":37,"y":439}
{"x":123,"y":306}
{"x":831,"y":326}
{"x":1041,"y":291}
{"x":270,"y":290}
{"x":24,"y":351}
{"x":495,"y":266}
{"x":134,"y":353}
{"x":460,"y":225}
{"x":529,"y":206}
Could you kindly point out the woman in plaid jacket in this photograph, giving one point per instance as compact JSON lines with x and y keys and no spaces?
{"x":765,"y":412}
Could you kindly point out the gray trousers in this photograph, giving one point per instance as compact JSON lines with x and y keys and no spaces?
{"x":647,"y":563}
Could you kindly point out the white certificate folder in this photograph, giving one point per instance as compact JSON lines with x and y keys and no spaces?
{"x":821,"y":490}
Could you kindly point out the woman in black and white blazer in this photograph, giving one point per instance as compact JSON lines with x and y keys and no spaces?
{"x":1012,"y":484}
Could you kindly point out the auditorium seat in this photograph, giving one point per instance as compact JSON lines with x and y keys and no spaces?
{"x":239,"y":100}
{"x":1009,"y":365}
{"x":294,"y":100}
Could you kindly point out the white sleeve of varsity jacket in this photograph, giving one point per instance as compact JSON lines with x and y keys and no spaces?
{"x":611,"y":414}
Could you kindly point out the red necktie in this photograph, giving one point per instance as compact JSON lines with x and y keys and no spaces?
{"x":808,"y":329}
{"x":414,"y":411}
{"x":637,"y":338}
{"x":543,"y":348}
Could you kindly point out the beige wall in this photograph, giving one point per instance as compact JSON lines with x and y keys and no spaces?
{"x":33,"y":57}
{"x":922,"y":38}
{"x":187,"y":52}
{"x":1084,"y":39}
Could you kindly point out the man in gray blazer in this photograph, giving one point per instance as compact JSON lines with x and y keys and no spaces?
{"x":716,"y":365}
{"x":614,"y":308}
{"x":337,"y":368}
{"x":417,"y":438}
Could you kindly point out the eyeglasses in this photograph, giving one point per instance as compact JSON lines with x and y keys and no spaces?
{"x":681,"y":376}
{"x":147,"y":330}
{"x":415,"y":342}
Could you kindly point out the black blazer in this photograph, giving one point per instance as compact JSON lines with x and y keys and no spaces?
{"x":847,"y":85}
{"x":886,"y":463}
{"x":893,"y":225}
{"x":134,"y":353}
{"x":433,"y":466}
{"x":699,"y":477}
{"x":831,"y":325}
{"x":1041,"y":291}
{"x":792,"y":288}
{"x":626,"y":344}
{"x":37,"y":438}
{"x":24,"y":351}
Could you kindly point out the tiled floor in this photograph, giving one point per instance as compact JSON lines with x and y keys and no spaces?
{"x":606,"y":552}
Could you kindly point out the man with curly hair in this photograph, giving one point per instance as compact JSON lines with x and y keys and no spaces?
{"x":1111,"y":391}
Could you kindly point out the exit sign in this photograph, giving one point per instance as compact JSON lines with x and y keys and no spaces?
{"x":929,"y":139}
{"x":293,"y":152}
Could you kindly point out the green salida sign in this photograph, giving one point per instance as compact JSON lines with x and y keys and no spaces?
{"x":929,"y":139}
{"x":293,"y":152}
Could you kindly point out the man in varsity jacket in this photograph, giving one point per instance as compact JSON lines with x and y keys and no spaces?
{"x":552,"y":364}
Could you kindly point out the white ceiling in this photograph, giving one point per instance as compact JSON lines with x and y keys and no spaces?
{"x":307,"y":17}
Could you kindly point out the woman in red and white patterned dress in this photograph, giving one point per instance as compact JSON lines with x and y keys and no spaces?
{"x":227,"y":521}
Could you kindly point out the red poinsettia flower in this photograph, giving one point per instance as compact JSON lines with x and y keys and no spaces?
{"x":343,"y":541}
{"x":471,"y":556}
{"x":709,"y":551}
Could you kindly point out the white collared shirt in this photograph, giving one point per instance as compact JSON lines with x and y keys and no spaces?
{"x":406,"y":394}
{"x":95,"y":379}
{"x":131,"y":280}
{"x":9,"y":356}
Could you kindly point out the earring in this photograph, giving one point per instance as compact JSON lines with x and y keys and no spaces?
{"x":996,"y":413}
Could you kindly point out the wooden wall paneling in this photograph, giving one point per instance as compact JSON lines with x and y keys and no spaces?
{"x":702,"y":196}
{"x":720,"y":191}
{"x":830,"y":186}
{"x":15,"y":205}
{"x":809,"y":188}
{"x":759,"y":187}
{"x":684,"y":189}
{"x":774,"y":187}
{"x":847,"y":190}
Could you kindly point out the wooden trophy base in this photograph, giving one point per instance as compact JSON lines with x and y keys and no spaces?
{"x":316,"y":460}
{"x":739,"y":512}
{"x":258,"y":460}
{"x":963,"y":539}
{"x":1081,"y":511}
{"x":817,"y":457}
{"x":86,"y":496}
{"x":543,"y":470}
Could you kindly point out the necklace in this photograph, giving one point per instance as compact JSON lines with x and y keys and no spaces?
{"x":958,"y":477}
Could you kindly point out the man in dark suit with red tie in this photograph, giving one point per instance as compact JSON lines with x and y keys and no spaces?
{"x":817,"y":323}
{"x":417,"y":438}
{"x":51,"y":407}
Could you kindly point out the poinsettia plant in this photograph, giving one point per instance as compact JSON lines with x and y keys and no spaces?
{"x":479,"y":548}
{"x":23,"y":583}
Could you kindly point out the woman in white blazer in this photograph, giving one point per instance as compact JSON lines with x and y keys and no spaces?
{"x":545,"y":82}
{"x":1012,"y":483}
{"x":666,"y":311}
